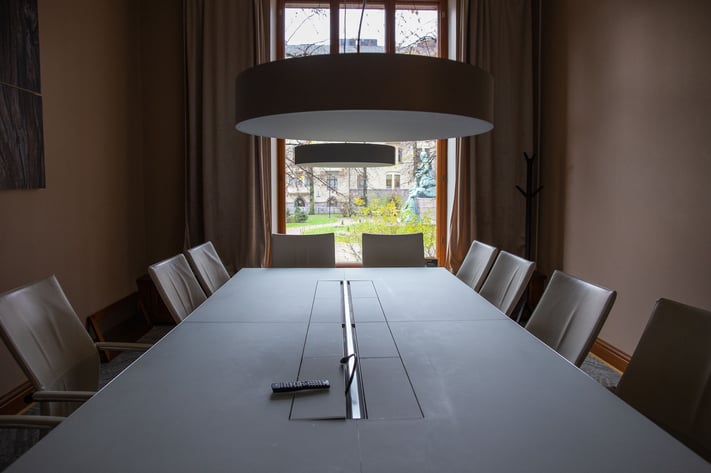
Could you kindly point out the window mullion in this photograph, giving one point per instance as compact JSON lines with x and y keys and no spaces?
{"x":389,"y":26}
{"x":334,"y":27}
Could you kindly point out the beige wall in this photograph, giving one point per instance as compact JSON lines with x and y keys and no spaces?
{"x":626,"y":152}
{"x":107,"y":211}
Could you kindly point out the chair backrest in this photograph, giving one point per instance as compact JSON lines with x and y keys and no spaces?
{"x":49,"y":342}
{"x":405,"y":250}
{"x":303,"y":251}
{"x":570,"y":314}
{"x":476,"y":264}
{"x":208,"y":267}
{"x":506,"y":281}
{"x":668,"y":378}
{"x":177,"y":286}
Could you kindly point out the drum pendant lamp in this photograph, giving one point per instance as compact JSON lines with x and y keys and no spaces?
{"x":364,"y":97}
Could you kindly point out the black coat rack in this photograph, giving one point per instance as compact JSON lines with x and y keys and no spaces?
{"x":530,"y":195}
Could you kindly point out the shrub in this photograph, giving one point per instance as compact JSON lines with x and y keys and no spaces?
{"x":299,"y":215}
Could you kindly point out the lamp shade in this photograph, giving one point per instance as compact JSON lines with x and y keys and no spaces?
{"x":364,"y":97}
{"x":344,"y":155}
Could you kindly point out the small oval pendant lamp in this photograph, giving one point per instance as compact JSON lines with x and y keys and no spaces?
{"x":344,"y":155}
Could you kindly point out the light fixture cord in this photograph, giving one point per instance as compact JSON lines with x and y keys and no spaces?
{"x":360,"y":25}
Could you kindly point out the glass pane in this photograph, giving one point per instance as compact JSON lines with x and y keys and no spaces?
{"x":351,"y":201}
{"x":416,"y":31}
{"x":372,"y":31}
{"x":307,"y":30}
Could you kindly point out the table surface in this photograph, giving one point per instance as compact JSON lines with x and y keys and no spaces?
{"x":450,"y":384}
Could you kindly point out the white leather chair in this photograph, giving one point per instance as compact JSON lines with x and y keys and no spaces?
{"x":177,"y":286}
{"x":507,"y":281}
{"x":52,"y":347}
{"x":208,"y":267}
{"x":570,"y":314}
{"x":476,"y":264}
{"x":303,"y":251}
{"x":668,"y":378}
{"x":403,"y":250}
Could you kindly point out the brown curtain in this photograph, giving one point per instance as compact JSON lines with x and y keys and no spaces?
{"x":496,"y":36}
{"x":228,"y":174}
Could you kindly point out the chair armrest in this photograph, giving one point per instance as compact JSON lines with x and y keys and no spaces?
{"x":123,"y":346}
{"x":61,"y":396}
{"x":30,"y":421}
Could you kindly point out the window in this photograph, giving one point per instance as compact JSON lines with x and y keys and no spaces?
{"x":392,"y":180}
{"x":360,"y":180}
{"x":332,"y":182}
{"x":406,"y":197}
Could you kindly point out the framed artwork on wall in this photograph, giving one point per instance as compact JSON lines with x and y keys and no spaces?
{"x":21,"y":132}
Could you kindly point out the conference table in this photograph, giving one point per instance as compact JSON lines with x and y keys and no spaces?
{"x":442,"y":382}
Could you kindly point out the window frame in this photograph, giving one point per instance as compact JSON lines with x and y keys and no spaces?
{"x":394,"y":180}
{"x":390,"y":7}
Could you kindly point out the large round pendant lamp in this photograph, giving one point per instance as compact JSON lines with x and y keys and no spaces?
{"x":344,"y":155}
{"x":364,"y":97}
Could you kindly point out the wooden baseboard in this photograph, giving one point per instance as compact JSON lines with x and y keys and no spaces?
{"x":610,"y":354}
{"x":120,"y":321}
{"x":13,"y":401}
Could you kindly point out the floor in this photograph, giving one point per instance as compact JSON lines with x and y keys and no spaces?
{"x":601,"y":371}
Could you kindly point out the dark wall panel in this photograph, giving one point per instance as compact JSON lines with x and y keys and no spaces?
{"x":21,"y":137}
{"x":21,"y":141}
{"x":19,"y":44}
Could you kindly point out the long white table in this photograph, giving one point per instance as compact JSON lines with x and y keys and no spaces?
{"x":449,"y":384}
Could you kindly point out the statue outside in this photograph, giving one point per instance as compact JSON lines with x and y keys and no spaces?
{"x":425,"y":186}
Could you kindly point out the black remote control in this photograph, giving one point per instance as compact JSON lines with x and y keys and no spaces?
{"x":292,"y":386}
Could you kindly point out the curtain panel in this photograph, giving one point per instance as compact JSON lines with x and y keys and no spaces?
{"x":228,"y":174}
{"x":495,"y":35}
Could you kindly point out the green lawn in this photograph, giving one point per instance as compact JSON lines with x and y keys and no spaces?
{"x":319,"y":230}
{"x":319,"y":219}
